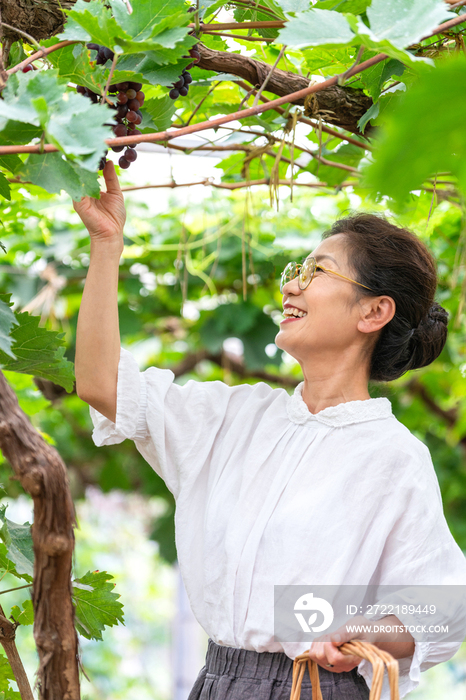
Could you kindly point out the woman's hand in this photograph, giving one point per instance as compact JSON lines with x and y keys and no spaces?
{"x":324,"y":650}
{"x":104,"y":218}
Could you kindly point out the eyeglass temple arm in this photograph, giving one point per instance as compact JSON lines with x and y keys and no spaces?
{"x":345,"y":278}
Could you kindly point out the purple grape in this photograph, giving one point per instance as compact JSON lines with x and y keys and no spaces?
{"x":184,"y":91}
{"x":174,"y":94}
{"x":130,"y":155}
{"x":123,"y":163}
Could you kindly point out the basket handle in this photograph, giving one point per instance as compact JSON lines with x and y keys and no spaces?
{"x":378,"y":658}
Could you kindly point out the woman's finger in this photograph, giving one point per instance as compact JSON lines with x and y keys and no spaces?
{"x":111,"y":178}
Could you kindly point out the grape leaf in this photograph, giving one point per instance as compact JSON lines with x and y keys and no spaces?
{"x":148,"y":65}
{"x":41,"y":98}
{"x":357,"y":7}
{"x":18,"y":541}
{"x":17,"y":132}
{"x":23,"y":615}
{"x":397,"y":24}
{"x":8,"y":567}
{"x":7,"y":321}
{"x":438,"y":146}
{"x":4,"y":187}
{"x":7,"y":675}
{"x":38,"y":351}
{"x":405,"y":22}
{"x":52,"y":172}
{"x":314,"y":28}
{"x":11,"y":162}
{"x":97,"y":605}
{"x":160,"y":111}
{"x":294,"y":5}
{"x":151,"y":25}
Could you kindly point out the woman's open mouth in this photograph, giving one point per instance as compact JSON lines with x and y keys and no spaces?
{"x":293,"y":314}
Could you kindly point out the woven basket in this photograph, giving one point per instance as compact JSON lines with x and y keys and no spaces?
{"x":378,"y":658}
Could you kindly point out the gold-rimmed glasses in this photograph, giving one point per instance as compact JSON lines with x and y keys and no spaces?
{"x":305,"y":274}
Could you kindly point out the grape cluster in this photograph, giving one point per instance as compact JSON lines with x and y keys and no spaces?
{"x":103,"y":53}
{"x":128,"y":115}
{"x":181,"y":87}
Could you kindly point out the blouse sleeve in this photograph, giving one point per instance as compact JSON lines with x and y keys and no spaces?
{"x":421,"y":554}
{"x":173,"y":426}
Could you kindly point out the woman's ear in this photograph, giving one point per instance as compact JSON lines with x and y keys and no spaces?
{"x":376,"y":312}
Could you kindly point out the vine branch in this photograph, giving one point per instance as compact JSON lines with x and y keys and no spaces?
{"x":210,"y":123}
{"x":7,"y":640}
{"x":232,"y":185}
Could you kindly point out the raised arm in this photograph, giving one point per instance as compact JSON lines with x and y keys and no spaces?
{"x":98,"y":333}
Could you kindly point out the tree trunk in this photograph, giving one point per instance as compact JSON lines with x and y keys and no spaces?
{"x":42,"y":473}
{"x":338,"y":105}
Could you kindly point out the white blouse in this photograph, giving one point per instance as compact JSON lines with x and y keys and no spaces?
{"x":268,"y":493}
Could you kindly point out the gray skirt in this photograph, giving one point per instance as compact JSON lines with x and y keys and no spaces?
{"x":239,"y":674}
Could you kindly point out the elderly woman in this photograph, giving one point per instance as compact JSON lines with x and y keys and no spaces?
{"x":322,"y":487}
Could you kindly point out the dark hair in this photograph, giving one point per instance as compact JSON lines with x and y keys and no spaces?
{"x":393,"y":261}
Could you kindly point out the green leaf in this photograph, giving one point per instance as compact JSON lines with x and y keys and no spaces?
{"x":314,"y":28}
{"x":151,"y":25}
{"x":8,"y":567}
{"x":16,"y":132}
{"x":52,"y":172}
{"x":294,"y":5}
{"x":374,"y":78}
{"x":23,"y":615}
{"x":161,"y":111}
{"x":149,"y":66}
{"x":405,"y":22}
{"x":11,"y":162}
{"x":97,"y":605}
{"x":38,"y":351}
{"x":4,"y":187}
{"x":7,"y":675}
{"x":371,"y":113}
{"x":438,"y":102}
{"x":41,"y":98}
{"x":356,"y":7}
{"x":397,"y":24}
{"x":7,"y":321}
{"x":18,"y":540}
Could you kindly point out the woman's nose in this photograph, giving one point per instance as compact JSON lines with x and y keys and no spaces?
{"x":291,"y":287}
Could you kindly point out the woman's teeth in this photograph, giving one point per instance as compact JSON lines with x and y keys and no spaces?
{"x":294,"y":312}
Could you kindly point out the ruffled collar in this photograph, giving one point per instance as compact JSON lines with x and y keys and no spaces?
{"x":340,"y":415}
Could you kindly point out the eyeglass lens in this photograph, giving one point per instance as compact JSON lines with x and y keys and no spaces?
{"x":305,"y":271}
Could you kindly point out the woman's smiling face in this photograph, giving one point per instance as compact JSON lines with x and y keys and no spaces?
{"x":331,"y":313}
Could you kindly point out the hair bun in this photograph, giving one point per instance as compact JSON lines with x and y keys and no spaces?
{"x":436,"y":314}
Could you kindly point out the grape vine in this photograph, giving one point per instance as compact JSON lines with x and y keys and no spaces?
{"x":128,"y":116}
